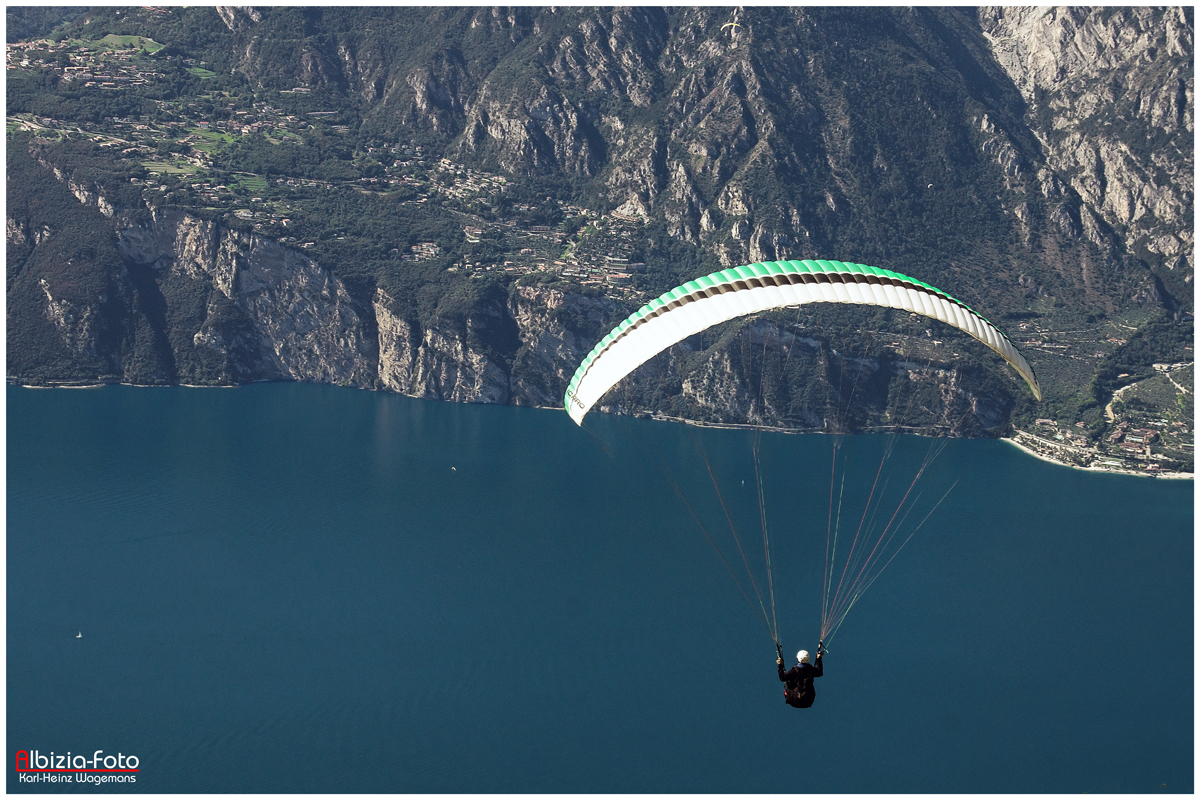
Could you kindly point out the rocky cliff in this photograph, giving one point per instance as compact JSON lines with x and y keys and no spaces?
{"x":195,"y":302}
{"x":269,"y":313}
{"x":1110,"y":96}
{"x":1035,"y":162}
{"x":188,"y":300}
{"x":445,"y":362}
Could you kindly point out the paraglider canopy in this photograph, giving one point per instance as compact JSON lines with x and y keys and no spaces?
{"x":739,"y":291}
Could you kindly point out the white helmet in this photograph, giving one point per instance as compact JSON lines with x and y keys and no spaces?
{"x":802,"y":656}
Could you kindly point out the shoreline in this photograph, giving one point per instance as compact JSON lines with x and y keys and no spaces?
{"x":1174,"y":476}
{"x":1177,"y":476}
{"x":1012,"y":440}
{"x":748,"y":427}
{"x":66,"y":386}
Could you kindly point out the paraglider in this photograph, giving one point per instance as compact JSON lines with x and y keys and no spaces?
{"x":742,"y":291}
{"x":732,"y":28}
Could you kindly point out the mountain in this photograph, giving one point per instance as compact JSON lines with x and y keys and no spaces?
{"x":1035,"y":163}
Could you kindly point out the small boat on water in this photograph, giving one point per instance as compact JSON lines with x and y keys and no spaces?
{"x":79,"y":635}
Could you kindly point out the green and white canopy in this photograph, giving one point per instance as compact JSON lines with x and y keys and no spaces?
{"x":739,"y":291}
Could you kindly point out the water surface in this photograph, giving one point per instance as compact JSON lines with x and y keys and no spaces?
{"x":292,"y":588}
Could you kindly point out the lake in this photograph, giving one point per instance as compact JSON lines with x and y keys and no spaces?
{"x":297,"y":588}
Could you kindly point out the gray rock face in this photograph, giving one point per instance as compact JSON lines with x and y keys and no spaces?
{"x":294,"y":321}
{"x":235,"y":17}
{"x":740,"y":380}
{"x":172,"y":241}
{"x":304,"y":314}
{"x":262,"y":311}
{"x":89,"y":197}
{"x":1121,"y":91}
{"x":546,"y":133}
{"x":77,"y":324}
{"x":397,"y":352}
{"x":437,"y":363}
{"x":721,"y":390}
{"x":555,"y":331}
{"x":239,"y":307}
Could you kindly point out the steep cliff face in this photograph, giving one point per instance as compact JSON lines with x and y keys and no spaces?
{"x":767,"y":375}
{"x":173,"y":298}
{"x":543,"y":134}
{"x":172,"y":242}
{"x":789,"y":133}
{"x":531,"y":130}
{"x":397,"y":350}
{"x":438,"y":363}
{"x":450,"y":360}
{"x":1110,"y":95}
{"x":270,"y":312}
{"x":195,"y":302}
{"x":556,"y":330}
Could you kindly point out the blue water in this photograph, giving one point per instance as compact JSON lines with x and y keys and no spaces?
{"x":291,"y":588}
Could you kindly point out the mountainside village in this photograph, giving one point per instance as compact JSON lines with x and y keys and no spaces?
{"x":598,"y":255}
{"x":1141,"y":441}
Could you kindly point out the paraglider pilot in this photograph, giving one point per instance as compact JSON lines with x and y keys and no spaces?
{"x":798,"y":690}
